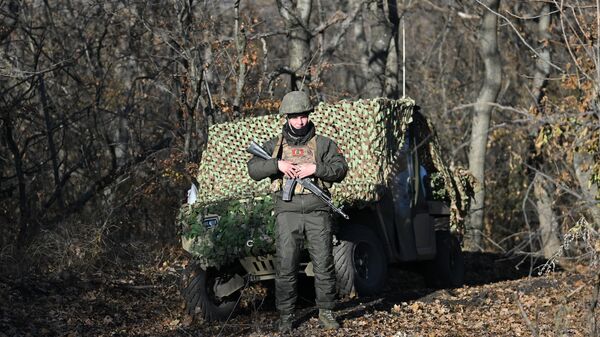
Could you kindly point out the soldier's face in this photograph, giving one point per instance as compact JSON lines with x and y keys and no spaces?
{"x":298,"y":121}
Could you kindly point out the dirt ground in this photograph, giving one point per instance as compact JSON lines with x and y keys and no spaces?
{"x":142,"y":299}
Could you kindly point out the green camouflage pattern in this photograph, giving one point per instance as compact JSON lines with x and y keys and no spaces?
{"x":369,"y":133}
{"x":458,"y":183}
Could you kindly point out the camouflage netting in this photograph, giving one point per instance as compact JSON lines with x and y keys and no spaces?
{"x":366,"y":131}
{"x":369,"y":132}
{"x":457,"y":185}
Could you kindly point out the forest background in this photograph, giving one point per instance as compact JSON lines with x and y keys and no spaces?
{"x":105,"y":107}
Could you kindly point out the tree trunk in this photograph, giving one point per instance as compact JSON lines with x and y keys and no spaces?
{"x":191,"y":104}
{"x":547,"y":219}
{"x":297,"y":19}
{"x":391,"y":68}
{"x":379,"y":44}
{"x":121,"y":137}
{"x":240,"y":46}
{"x":481,"y":119}
{"x":24,"y":209}
{"x":362,"y":47}
{"x":543,"y":62}
{"x":582,"y":163}
{"x":50,"y":138}
{"x":548,"y":222}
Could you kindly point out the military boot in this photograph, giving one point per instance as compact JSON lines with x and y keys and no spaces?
{"x":285,"y":323}
{"x":327,"y":321}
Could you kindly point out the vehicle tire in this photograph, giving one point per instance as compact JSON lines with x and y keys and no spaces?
{"x":199,"y":298}
{"x":344,"y":274}
{"x":360,"y":261}
{"x":447,"y":270}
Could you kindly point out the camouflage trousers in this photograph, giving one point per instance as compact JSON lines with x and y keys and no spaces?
{"x":292,"y":228}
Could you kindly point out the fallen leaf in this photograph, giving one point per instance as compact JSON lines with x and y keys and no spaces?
{"x":107,"y":319}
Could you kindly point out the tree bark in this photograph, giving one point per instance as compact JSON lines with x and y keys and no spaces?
{"x":582,"y":163}
{"x":191,"y":104}
{"x":391,"y":87}
{"x":297,"y":17}
{"x":547,"y":219}
{"x":121,"y":137}
{"x":240,"y":44}
{"x":50,"y":138}
{"x":362,"y":47}
{"x":394,"y":57}
{"x":542,"y":65}
{"x":24,"y":208}
{"x":481,"y":119}
{"x":10,"y":18}
{"x":546,"y":216}
{"x":379,"y":44}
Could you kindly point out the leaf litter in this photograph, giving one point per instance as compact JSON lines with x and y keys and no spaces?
{"x":143,"y":300}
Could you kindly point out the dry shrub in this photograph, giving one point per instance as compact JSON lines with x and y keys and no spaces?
{"x":73,"y":245}
{"x":581,"y":246}
{"x":581,"y":249}
{"x":133,"y":217}
{"x":146,"y":202}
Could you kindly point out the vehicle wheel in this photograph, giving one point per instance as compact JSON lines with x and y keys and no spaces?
{"x":447,"y":270}
{"x":344,"y":273}
{"x":199,"y":297}
{"x":360,"y":261}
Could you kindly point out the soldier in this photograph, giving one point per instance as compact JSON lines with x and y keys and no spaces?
{"x":298,"y":153}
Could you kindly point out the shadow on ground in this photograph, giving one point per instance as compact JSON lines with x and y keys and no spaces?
{"x":143,"y":299}
{"x":405,"y":284}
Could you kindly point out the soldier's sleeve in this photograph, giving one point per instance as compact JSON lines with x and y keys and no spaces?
{"x":332,"y":166}
{"x":259,"y":168}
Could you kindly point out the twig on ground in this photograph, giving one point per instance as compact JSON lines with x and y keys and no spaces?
{"x":575,"y":291}
{"x":530,"y":325}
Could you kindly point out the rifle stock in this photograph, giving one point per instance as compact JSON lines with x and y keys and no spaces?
{"x":258,"y":151}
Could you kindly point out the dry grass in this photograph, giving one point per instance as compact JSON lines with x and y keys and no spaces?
{"x":73,"y":245}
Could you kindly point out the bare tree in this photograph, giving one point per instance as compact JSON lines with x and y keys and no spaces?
{"x":392,"y":67}
{"x":481,"y":117}
{"x":547,"y":220}
{"x":68,"y":97}
{"x":192,"y":104}
{"x":296,"y":15}
{"x":240,"y":46}
{"x":382,"y":32}
{"x":90,"y":92}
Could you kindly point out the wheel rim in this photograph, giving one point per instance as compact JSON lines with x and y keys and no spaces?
{"x":211,"y":283}
{"x":361,"y":260}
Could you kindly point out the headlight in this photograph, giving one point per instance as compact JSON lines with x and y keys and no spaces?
{"x":210,"y":221}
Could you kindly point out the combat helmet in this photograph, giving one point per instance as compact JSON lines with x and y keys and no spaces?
{"x":295,"y":102}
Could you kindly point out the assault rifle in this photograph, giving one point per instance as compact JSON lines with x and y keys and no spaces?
{"x":290,"y":184}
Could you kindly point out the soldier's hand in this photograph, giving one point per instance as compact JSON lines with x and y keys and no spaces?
{"x":306,"y":170}
{"x":287,"y":168}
